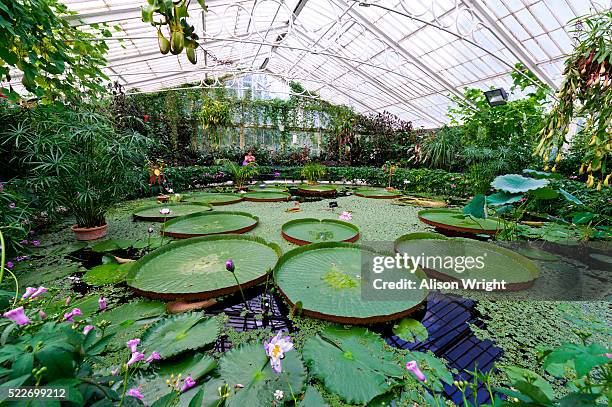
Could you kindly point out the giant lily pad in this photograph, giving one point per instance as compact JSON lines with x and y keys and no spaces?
{"x":249,"y":366}
{"x":326,"y":278}
{"x":214,"y":198}
{"x":317,"y":190}
{"x":209,"y":223}
{"x":368,"y":368}
{"x":257,"y":196}
{"x":515,"y":183}
{"x":195,"y":268}
{"x":179,"y":333}
{"x":455,"y":220}
{"x":152,"y":214}
{"x":496,"y":263}
{"x":308,"y":230}
{"x":377,"y":193}
{"x":268,"y":188}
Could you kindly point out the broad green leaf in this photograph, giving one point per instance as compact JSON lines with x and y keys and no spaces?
{"x":582,"y":218}
{"x":584,"y":358}
{"x":249,"y":366}
{"x":503,"y":198}
{"x":516,"y":374}
{"x":410,"y":330}
{"x":545,"y":193}
{"x":368,"y":368}
{"x":179,"y":333}
{"x":477,"y":207}
{"x":312,"y":398}
{"x":570,"y":197}
{"x":515,"y":183}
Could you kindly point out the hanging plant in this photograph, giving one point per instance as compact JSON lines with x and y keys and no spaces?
{"x":586,"y":92}
{"x":173,"y":15}
{"x":214,"y":115}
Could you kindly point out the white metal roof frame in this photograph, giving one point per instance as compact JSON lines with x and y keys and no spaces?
{"x":404,"y":56}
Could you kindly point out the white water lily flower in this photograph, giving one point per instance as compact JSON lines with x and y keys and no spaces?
{"x":276,"y":348}
{"x":279,"y":395}
{"x":164,"y":211}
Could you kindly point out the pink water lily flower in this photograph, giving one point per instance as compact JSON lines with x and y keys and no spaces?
{"x":276,"y":348}
{"x":102,"y":303}
{"x":28,"y":293}
{"x":346,"y":216}
{"x":69,"y":315}
{"x":18,"y":316}
{"x":164,"y":211}
{"x":9,"y":264}
{"x":135,"y":393}
{"x":132,"y":344}
{"x":136,"y":357}
{"x":154,"y":356}
{"x":188,"y":384}
{"x":87,"y":329}
{"x":414,"y":369}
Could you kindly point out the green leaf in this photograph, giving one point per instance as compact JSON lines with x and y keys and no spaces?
{"x":545,"y":193}
{"x":198,"y":399}
{"x":540,"y":174}
{"x":13,"y":383}
{"x":516,"y":374}
{"x":570,"y":197}
{"x":410,"y":330}
{"x":503,"y":198}
{"x":584,"y":358}
{"x":477,"y":207}
{"x":515,"y":183}
{"x":582,"y":218}
{"x":579,"y":400}
{"x":179,"y":333}
{"x":532,"y":391}
{"x":312,"y":398}
{"x":106,"y":274}
{"x":368,"y":368}
{"x":110,"y":245}
{"x":168,"y":400}
{"x":152,"y":382}
{"x":58,"y":361}
{"x":248,"y":365}
{"x":22,"y":365}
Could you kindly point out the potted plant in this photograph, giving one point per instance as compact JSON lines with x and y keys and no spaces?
{"x":77,"y":162}
{"x":241,"y":173}
{"x":313,"y":172}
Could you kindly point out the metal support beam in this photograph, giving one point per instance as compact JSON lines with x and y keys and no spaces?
{"x":508,"y":40}
{"x":380,"y":85}
{"x":402,"y":51}
{"x":369,"y":108}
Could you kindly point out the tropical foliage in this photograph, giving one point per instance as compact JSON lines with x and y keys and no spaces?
{"x":55,"y":59}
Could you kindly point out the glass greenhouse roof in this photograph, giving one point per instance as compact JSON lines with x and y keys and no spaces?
{"x":407,"y":57}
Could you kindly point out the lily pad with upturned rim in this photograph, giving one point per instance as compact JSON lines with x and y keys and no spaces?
{"x":214,"y":198}
{"x":152,"y":214}
{"x":377,"y":193}
{"x":455,"y":220}
{"x":257,"y":196}
{"x":322,"y":190}
{"x":309,"y":230}
{"x":195,"y":268}
{"x":210,"y":223}
{"x":499,"y":263}
{"x":268,"y":188}
{"x":326,"y":278}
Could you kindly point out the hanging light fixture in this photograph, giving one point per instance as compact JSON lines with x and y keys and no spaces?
{"x":496,"y":97}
